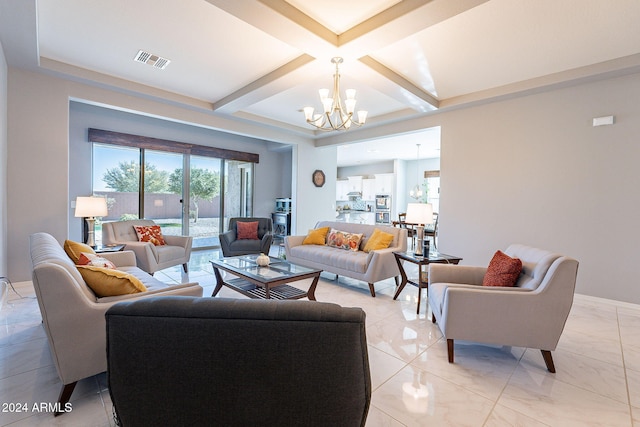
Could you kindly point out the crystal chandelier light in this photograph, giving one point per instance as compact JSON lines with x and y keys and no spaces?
{"x":335,"y":116}
{"x":416,"y":192}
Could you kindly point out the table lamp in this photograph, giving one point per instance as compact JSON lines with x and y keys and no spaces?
{"x":421,"y":214}
{"x":89,"y":208}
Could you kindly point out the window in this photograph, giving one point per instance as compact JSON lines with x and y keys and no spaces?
{"x":145,"y":177}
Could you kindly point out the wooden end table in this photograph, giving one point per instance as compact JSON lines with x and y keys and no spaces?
{"x":423,"y":279}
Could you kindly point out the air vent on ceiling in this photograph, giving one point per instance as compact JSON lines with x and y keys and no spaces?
{"x":151,"y":59}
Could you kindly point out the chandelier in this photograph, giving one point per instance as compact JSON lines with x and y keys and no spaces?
{"x":416,"y":192}
{"x":335,"y":116}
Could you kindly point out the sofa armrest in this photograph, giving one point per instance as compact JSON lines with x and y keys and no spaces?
{"x":292,"y":241}
{"x":121,"y":259}
{"x":228,"y":236}
{"x":451,"y":273}
{"x":265,"y":244}
{"x":142,"y":249}
{"x":182,"y":241}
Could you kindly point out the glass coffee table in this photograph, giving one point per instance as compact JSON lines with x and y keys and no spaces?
{"x":269,"y":282}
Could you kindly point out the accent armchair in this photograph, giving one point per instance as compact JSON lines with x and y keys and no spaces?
{"x":531,"y":314}
{"x":230,"y":362}
{"x":232,"y":246}
{"x":150,"y":258}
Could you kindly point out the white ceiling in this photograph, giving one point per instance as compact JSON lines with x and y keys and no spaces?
{"x":259,"y":62}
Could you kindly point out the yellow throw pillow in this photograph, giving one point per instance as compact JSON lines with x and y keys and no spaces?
{"x":316,"y":237}
{"x":75,"y":249}
{"x":106,"y":282}
{"x":378,"y":240}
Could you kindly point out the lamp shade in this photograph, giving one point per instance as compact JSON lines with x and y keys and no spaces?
{"x":419,"y":213}
{"x":87,"y":207}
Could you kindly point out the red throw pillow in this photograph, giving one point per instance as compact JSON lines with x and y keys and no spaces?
{"x":502,"y":271}
{"x":150,"y":233}
{"x":247,"y":230}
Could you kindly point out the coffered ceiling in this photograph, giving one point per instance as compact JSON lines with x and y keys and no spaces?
{"x":259,"y":62}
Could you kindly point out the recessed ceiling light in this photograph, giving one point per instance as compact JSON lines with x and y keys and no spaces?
{"x":151,"y":59}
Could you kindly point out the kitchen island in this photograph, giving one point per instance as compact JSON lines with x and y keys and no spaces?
{"x":355,"y":216}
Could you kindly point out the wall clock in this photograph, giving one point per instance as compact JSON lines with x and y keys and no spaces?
{"x":318,"y":178}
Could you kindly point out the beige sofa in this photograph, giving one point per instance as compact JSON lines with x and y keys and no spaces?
{"x":150,"y":258}
{"x":531,"y":314}
{"x":73,"y":316}
{"x":369,"y":267}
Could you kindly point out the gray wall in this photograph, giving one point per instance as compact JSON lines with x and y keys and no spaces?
{"x":533,"y":170}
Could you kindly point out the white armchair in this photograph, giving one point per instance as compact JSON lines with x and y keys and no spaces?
{"x":150,"y":258}
{"x":531,"y":314}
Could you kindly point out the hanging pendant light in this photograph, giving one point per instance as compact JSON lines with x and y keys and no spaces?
{"x":335,"y":116}
{"x":416,"y":191}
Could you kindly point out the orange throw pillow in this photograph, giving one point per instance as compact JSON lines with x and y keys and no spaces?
{"x":247,"y":230}
{"x":150,"y":233}
{"x":502,"y":271}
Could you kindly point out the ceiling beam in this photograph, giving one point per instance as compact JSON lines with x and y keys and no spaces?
{"x":255,"y":90}
{"x":394,"y":12}
{"x":305,"y":21}
{"x":400,"y":81}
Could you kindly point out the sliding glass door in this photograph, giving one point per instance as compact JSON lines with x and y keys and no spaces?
{"x":162,"y":199}
{"x":238,"y":189}
{"x":204,"y":201}
{"x":156,"y":190}
{"x":116,"y":176}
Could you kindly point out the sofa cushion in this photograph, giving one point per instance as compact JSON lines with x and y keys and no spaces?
{"x":344,"y":240}
{"x":150,"y":233}
{"x":95,"y":260}
{"x":327,"y":255}
{"x":502,"y":271}
{"x":105,"y":282}
{"x":75,"y":249}
{"x":247,"y":230}
{"x":317,"y":236}
{"x":378,"y":240}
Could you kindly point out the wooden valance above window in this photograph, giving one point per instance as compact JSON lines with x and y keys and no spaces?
{"x":117,"y":138}
{"x":431,"y":174}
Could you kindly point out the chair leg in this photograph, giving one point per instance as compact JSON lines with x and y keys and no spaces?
{"x":185,"y":267}
{"x":548,"y":360}
{"x":372,"y":289}
{"x":65,"y":395}
{"x":450,"y":349}
{"x":433,"y":317}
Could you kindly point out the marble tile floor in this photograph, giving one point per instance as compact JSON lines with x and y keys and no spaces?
{"x":597,"y":360}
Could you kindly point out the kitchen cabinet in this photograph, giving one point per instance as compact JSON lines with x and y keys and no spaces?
{"x":368,"y":189}
{"x":385,"y":183}
{"x":355,"y":184}
{"x":342,"y":188}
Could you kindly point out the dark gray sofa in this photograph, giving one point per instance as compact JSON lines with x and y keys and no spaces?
{"x":210,"y":361}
